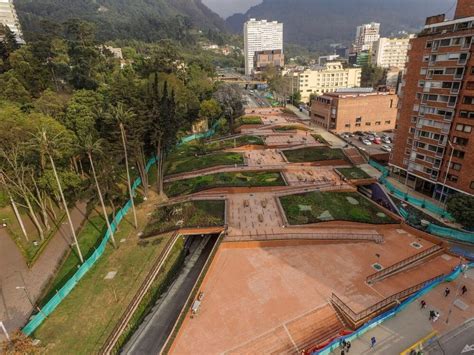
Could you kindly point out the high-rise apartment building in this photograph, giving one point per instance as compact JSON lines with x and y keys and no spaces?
{"x":322,"y":79}
{"x":9,"y":18}
{"x":365,"y":37}
{"x":434,"y":139}
{"x":390,"y":52}
{"x":261,"y":36}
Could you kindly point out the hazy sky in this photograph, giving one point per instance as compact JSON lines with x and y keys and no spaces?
{"x":225,"y":8}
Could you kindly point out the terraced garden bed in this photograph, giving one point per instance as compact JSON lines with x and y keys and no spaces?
{"x":234,"y":142}
{"x":192,"y":214}
{"x":312,"y":154}
{"x":290,"y":128}
{"x":248,"y":120}
{"x":189,"y":163}
{"x":315,"y":207}
{"x":240,"y":179}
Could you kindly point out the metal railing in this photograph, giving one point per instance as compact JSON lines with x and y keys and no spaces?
{"x":377,"y":276}
{"x":372,"y":311}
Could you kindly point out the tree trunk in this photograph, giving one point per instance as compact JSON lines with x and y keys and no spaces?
{"x":122,"y":130}
{"x":104,"y":210}
{"x":15,"y":209}
{"x":34,"y":218}
{"x":66,"y":209}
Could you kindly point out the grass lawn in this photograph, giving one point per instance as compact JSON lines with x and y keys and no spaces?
{"x":229,"y":143}
{"x":319,"y":139}
{"x":84,"y":320}
{"x":314,"y":207}
{"x":290,"y":128}
{"x":353,"y":173}
{"x":186,"y":215}
{"x":89,"y":237}
{"x":189,"y":186}
{"x":191,"y":163}
{"x":33,"y":248}
{"x":313,"y":154}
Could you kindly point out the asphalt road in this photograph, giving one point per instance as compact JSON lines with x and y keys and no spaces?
{"x":152,"y":334}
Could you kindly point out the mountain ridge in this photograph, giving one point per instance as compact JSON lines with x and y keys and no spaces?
{"x":147,"y":20}
{"x":318,"y":23}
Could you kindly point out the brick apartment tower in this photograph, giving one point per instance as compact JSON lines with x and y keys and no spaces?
{"x":434,"y":138}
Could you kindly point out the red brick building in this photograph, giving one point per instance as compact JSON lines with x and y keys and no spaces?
{"x":434,"y":139}
{"x":355,"y":110}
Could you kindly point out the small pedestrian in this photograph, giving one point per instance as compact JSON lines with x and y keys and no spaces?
{"x":436,"y":317}
{"x":463,"y":290}
{"x":432,"y":314}
{"x":372,"y":342}
{"x":423,"y":304}
{"x":343,"y":352}
{"x":343,"y":343}
{"x":348,"y":346}
{"x":447,"y":291}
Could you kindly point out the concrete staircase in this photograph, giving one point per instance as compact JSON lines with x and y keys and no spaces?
{"x":315,"y":328}
{"x":354,"y":156}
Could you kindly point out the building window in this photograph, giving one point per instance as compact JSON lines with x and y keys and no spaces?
{"x":472,"y":185}
{"x":468,"y":100}
{"x":456,"y":166}
{"x":358,"y":119}
{"x":463,"y":128}
{"x":452,"y":178}
{"x":458,"y":154}
{"x":347,"y":125}
{"x":357,"y":124}
{"x":460,"y":141}
{"x":368,"y":123}
{"x":387,"y":122}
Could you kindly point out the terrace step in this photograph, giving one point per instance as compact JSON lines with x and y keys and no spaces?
{"x":405,"y":264}
{"x":315,"y":328}
{"x":354,"y":156}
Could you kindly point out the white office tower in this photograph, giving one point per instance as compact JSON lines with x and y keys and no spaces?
{"x":366,"y":35}
{"x":9,"y":18}
{"x":390,"y":52}
{"x":259,"y":36}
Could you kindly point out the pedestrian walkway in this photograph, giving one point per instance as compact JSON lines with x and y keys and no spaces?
{"x":14,"y":304}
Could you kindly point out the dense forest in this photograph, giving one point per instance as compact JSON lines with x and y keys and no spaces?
{"x":123,"y":19}
{"x":318,"y":23}
{"x":71,"y":114}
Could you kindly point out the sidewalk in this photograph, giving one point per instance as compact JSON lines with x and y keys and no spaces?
{"x":412,"y":324}
{"x":14,"y":304}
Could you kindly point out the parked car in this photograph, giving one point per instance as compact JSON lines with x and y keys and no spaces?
{"x":359,"y":133}
{"x":386,"y":148}
{"x":386,"y":140}
{"x":366,"y":142}
{"x":377,"y":140}
{"x":370,"y":137}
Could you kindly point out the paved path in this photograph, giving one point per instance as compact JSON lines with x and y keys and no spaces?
{"x":14,"y":304}
{"x":328,"y":136}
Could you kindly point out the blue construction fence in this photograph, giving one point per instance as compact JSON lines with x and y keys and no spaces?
{"x":51,"y":305}
{"x":391,"y":313}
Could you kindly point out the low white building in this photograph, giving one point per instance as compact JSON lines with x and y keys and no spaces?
{"x":322,"y":79}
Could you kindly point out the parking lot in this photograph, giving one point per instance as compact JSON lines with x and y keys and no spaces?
{"x":373,"y":147}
